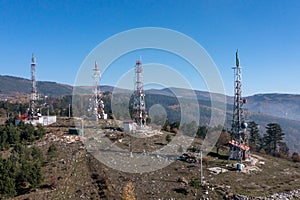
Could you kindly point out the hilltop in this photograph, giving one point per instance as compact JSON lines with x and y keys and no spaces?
{"x":13,"y":87}
{"x":261,"y":108}
{"x":72,"y":172}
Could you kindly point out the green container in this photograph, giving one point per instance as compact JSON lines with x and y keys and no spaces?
{"x":75,"y":131}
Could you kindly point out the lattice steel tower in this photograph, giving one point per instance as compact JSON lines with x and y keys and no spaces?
{"x":139,"y":106}
{"x":97,"y":106}
{"x":238,"y":126}
{"x":34,"y":96}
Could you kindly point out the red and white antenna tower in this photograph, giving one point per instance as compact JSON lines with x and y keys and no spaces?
{"x":238,"y":126}
{"x":139,"y":106}
{"x":34,"y":96}
{"x":98,"y":105}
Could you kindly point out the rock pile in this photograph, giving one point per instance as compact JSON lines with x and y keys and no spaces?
{"x":294,"y":194}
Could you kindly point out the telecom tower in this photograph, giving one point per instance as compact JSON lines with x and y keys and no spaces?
{"x":97,"y":105}
{"x":139,"y":107}
{"x":34,"y":96}
{"x":238,"y":126}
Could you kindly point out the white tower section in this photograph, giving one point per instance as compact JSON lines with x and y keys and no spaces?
{"x":238,"y":126}
{"x":34,"y":96}
{"x":139,"y":106}
{"x":97,"y":104}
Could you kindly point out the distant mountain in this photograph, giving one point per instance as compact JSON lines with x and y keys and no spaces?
{"x":279,"y":105}
{"x":187,"y":93}
{"x":11,"y":87}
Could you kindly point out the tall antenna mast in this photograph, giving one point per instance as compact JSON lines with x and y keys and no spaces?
{"x":139,"y":106}
{"x":238,"y":126}
{"x":98,"y":105}
{"x":33,"y":96}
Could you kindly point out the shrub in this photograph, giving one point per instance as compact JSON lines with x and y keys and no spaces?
{"x":195,"y":183}
{"x":52,"y":149}
{"x":205,"y":160}
{"x":295,"y":157}
{"x":168,"y":138}
{"x":128,"y":192}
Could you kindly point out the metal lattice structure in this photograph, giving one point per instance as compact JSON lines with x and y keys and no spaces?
{"x":238,"y":126}
{"x":34,"y":115}
{"x":97,"y":105}
{"x":34,"y":96}
{"x":139,"y":106}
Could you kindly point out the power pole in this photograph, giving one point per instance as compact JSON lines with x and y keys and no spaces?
{"x":201,"y":171}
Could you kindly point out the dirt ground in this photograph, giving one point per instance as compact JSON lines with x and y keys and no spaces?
{"x":72,"y":172}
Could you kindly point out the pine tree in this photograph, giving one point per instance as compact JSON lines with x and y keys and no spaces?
{"x":201,"y":132}
{"x":273,"y":138}
{"x":13,"y":134}
{"x":39,"y":132}
{"x":7,"y":181}
{"x":254,"y":140}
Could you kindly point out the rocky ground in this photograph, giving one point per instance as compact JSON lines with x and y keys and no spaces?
{"x":72,"y":172}
{"x":294,"y":194}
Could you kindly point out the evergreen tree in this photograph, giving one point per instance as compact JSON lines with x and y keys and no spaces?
{"x":283,"y":148}
{"x":7,"y":181}
{"x":168,"y":138}
{"x":37,"y":155}
{"x":273,"y":138}
{"x":13,"y":134}
{"x":167,"y":126}
{"x":39,"y":132}
{"x":255,"y":139}
{"x":28,"y":166}
{"x":201,"y":132}
{"x":27,"y":132}
{"x":295,"y":157}
{"x":3,"y":138}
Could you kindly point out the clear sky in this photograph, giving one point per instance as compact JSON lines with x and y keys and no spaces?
{"x":62,"y":33}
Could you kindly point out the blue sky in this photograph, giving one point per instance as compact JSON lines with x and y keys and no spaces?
{"x":62,"y":33}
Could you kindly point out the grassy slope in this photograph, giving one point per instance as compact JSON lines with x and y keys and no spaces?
{"x":76,"y":173}
{"x":277,"y":175}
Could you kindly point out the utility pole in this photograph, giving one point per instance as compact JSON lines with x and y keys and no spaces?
{"x":201,"y":171}
{"x":69,"y":110}
{"x":82,"y":126}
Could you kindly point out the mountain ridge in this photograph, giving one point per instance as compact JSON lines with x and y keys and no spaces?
{"x":262,"y":108}
{"x":274,"y":104}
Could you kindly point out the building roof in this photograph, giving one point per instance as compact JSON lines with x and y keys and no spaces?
{"x":242,"y":146}
{"x":128,"y":122}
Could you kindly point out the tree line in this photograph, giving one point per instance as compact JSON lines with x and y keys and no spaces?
{"x":271,"y":142}
{"x":11,"y":135}
{"x":21,"y":170}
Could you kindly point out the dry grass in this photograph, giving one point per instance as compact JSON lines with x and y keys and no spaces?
{"x":74,"y":174}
